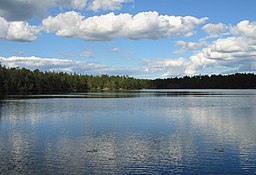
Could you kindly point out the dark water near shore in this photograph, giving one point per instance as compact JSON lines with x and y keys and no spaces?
{"x":135,"y":132}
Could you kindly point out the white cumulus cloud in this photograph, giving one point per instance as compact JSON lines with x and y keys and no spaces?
{"x":4,"y":26}
{"x":185,"y":46}
{"x":245,"y":28}
{"x":18,"y":30}
{"x":215,"y":29}
{"x":107,"y":4}
{"x":27,"y":9}
{"x":234,"y":53}
{"x":66,"y":65}
{"x":166,"y":67}
{"x":144,"y":25}
{"x":51,"y":64}
{"x":21,"y":10}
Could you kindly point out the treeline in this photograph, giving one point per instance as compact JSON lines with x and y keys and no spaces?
{"x":15,"y":80}
{"x":234,"y":81}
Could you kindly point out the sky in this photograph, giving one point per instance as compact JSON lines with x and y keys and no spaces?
{"x":139,"y":38}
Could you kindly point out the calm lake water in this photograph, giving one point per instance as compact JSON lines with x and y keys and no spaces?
{"x":135,"y":132}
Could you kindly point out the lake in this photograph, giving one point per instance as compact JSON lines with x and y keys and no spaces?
{"x":133,"y":132}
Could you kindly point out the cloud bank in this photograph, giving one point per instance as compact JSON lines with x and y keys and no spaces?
{"x":231,"y":48}
{"x":185,"y":46}
{"x":66,"y":65}
{"x":215,"y":29}
{"x":107,"y":4}
{"x":16,"y":10}
{"x":144,"y":25}
{"x":18,"y":30}
{"x":237,"y":53}
{"x":232,"y":54}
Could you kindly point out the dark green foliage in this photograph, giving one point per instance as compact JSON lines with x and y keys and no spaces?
{"x":15,"y":80}
{"x":234,"y":81}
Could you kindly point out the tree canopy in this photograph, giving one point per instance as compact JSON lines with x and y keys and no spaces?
{"x":16,"y":80}
{"x":233,"y":81}
{"x":21,"y":80}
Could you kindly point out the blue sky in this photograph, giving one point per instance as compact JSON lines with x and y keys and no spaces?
{"x":139,"y":38}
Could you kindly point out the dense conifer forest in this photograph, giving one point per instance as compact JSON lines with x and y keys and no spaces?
{"x":16,"y":80}
{"x":233,"y":81}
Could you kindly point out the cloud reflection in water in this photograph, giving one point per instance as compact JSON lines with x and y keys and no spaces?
{"x":149,"y":135}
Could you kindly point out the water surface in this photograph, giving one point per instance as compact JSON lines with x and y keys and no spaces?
{"x":135,"y":132}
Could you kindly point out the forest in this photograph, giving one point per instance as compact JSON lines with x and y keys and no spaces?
{"x":19,"y":81}
{"x":233,"y":81}
{"x":22,"y":81}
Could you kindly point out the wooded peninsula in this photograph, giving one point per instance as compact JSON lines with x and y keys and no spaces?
{"x":22,"y":80}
